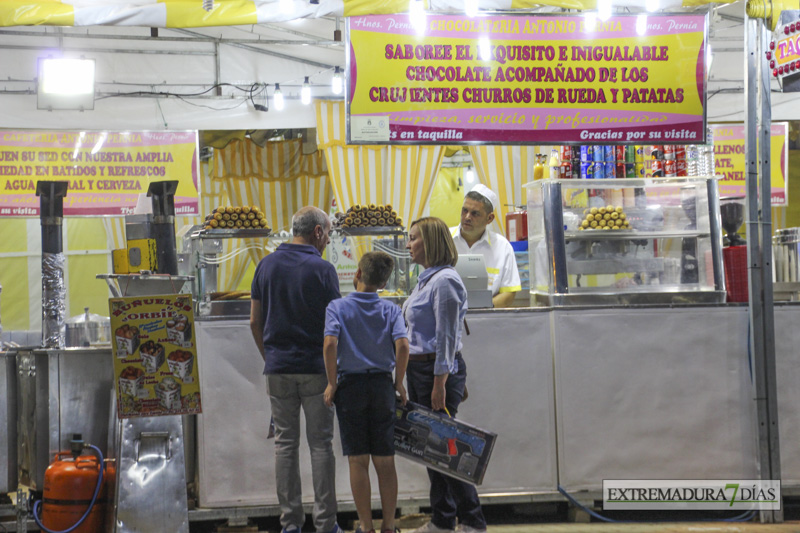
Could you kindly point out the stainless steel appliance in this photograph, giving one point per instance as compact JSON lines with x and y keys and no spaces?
{"x":87,"y":329}
{"x":60,"y":392}
{"x":162,"y":194}
{"x":154,"y":455}
{"x":204,"y":251}
{"x":8,"y":422}
{"x":786,"y":255}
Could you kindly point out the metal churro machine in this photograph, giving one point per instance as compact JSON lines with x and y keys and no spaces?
{"x":155,"y":454}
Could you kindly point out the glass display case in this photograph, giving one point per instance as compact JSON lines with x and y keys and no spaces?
{"x":349,"y":244}
{"x":625,"y":241}
{"x":201,"y":255}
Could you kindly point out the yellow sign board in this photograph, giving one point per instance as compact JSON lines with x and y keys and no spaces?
{"x":730,"y":164}
{"x":155,"y":356}
{"x":106,"y":171}
{"x":565,"y":79}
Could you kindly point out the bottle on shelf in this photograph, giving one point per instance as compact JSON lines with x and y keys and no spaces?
{"x":554,"y":164}
{"x":538,"y":167}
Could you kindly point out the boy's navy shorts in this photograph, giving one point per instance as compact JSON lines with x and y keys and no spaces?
{"x":365,"y":407}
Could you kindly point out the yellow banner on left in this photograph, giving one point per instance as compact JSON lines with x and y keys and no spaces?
{"x":106,"y":171}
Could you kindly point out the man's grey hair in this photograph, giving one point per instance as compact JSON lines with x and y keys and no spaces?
{"x":478,"y":197}
{"x":305,"y":220}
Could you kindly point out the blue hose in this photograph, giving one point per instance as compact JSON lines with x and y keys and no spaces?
{"x":744,"y":517}
{"x":91,"y":504}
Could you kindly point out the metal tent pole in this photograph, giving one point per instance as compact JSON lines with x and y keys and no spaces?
{"x":758,"y":120}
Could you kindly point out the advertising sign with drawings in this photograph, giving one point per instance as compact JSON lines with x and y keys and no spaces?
{"x":448,"y":79}
{"x":106,"y":171}
{"x":155,"y":356}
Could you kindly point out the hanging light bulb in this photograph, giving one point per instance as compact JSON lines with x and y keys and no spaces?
{"x":278,"y":96}
{"x":416,"y":15}
{"x":305,"y":92}
{"x":590,"y":20}
{"x":604,"y":9}
{"x":469,"y":176}
{"x":484,"y":49}
{"x":641,"y":24}
{"x":471,"y":8}
{"x":336,"y":81}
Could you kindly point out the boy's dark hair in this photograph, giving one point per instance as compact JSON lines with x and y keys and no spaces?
{"x":376,"y":267}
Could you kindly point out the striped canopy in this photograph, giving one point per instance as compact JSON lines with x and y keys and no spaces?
{"x":205,"y":13}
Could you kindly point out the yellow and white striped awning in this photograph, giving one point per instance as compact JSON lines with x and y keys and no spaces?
{"x":192,"y":14}
{"x":505,"y":170}
{"x":278,"y":178}
{"x":402,"y":176}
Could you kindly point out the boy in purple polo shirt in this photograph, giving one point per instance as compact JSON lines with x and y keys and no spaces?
{"x":365,"y":339}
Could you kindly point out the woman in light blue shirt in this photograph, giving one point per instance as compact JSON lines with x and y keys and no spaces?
{"x":436,"y":372}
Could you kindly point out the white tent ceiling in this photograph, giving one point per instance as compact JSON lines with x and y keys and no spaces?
{"x":187,"y":61}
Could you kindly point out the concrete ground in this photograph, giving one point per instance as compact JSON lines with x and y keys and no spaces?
{"x":683,"y":527}
{"x":408,"y":523}
{"x":558,"y":517}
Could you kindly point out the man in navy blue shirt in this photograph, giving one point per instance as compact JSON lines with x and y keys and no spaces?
{"x":291,"y":289}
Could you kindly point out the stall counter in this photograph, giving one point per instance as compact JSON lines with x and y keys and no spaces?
{"x":576,"y":395}
{"x":236,"y":456}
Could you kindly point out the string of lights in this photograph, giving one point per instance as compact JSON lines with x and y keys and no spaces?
{"x":252,"y":92}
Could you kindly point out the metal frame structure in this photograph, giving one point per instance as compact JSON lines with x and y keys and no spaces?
{"x":758,"y":119}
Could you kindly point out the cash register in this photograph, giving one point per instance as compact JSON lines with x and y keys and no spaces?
{"x":472,"y":269}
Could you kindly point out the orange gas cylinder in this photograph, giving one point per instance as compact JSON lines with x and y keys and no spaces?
{"x":69,"y":484}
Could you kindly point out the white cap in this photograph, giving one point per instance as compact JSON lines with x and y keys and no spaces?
{"x":487,"y":193}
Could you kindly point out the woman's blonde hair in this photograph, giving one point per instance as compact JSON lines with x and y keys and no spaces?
{"x":440,"y":249}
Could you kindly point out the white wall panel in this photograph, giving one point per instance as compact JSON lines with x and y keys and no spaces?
{"x":653,"y":394}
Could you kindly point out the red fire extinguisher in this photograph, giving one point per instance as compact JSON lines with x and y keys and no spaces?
{"x":74,"y":492}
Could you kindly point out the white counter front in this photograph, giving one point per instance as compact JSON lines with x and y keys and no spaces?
{"x":575,"y":395}
{"x":653,"y":394}
{"x":236,"y":459}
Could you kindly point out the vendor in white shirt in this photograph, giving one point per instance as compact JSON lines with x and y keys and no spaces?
{"x":472,"y":236}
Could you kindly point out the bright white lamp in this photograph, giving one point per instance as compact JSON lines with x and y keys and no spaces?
{"x":416,"y":15}
{"x":604,"y":9}
{"x":305,"y":92}
{"x":65,"y":83}
{"x":484,"y":49}
{"x":469,"y":177}
{"x":641,"y":23}
{"x":590,"y":20}
{"x":336,"y":81}
{"x":278,"y":97}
